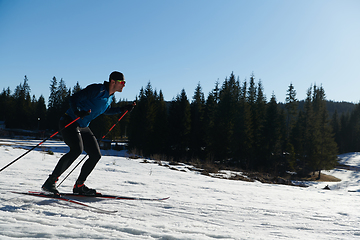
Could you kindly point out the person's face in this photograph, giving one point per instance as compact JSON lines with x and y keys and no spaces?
{"x":119,"y":85}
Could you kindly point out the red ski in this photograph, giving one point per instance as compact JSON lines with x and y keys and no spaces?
{"x":62,"y":198}
{"x":99,"y":195}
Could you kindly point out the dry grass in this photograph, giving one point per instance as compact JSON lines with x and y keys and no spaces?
{"x":323,"y":178}
{"x":208,"y":168}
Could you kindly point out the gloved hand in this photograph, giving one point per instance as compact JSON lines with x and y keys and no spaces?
{"x":82,"y":114}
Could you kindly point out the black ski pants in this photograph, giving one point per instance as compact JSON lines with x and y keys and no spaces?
{"x":78,"y":139}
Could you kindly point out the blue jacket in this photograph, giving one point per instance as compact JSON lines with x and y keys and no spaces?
{"x":94,"y":97}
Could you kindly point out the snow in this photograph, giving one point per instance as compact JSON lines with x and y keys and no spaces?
{"x":200,"y":207}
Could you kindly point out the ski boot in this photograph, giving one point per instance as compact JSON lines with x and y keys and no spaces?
{"x":81,"y":189}
{"x":50,"y":185}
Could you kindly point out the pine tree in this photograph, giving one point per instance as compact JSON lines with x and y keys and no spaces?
{"x":296,"y":142}
{"x":325,"y":148}
{"x":257,"y":105}
{"x":4,"y":102}
{"x":314,"y":142}
{"x":310,"y":131}
{"x":179,"y":125}
{"x":210,"y":136}
{"x":251,"y":92}
{"x":272,"y":133}
{"x":161,"y":130}
{"x":150,"y":113}
{"x":58,"y":102}
{"x":142,"y":124}
{"x":243,"y":141}
{"x":63,"y":94}
{"x":76,"y":88}
{"x":22,"y":105}
{"x":40,"y":113}
{"x":197,"y":107}
{"x":136,"y":127}
{"x":226,"y":117}
{"x":300,"y":135}
{"x":53,"y":102}
{"x":251,"y":100}
{"x":6,"y":106}
{"x":259,"y":117}
{"x":291,"y":107}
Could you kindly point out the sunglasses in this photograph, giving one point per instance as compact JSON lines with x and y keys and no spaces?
{"x":121,"y":81}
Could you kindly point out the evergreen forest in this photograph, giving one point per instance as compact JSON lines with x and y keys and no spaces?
{"x":234,"y":125}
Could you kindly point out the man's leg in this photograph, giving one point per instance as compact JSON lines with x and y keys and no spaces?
{"x":92,"y":148}
{"x":71,"y":136}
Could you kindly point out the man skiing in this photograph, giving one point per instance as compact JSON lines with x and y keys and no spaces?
{"x":87,"y":104}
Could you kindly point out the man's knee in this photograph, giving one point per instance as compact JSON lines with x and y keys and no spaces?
{"x":96,"y":156}
{"x":76,"y":151}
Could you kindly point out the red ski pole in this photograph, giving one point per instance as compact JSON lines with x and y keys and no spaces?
{"x":39,"y":144}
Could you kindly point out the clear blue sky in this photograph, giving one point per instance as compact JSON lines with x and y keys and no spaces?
{"x":177,"y":44}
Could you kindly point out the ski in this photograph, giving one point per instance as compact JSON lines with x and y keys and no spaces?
{"x":113,"y":197}
{"x":62,"y":198}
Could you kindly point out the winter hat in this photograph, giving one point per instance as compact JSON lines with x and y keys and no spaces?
{"x":116,"y":76}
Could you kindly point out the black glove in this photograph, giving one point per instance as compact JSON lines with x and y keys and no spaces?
{"x":129,"y":107}
{"x":81,"y":114}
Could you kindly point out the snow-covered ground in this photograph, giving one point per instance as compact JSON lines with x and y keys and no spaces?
{"x":200,"y":207}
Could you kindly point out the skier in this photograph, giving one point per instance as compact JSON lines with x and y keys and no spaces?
{"x":87,"y":104}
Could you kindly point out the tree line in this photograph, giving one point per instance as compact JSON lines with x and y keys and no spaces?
{"x":234,"y":125}
{"x":237,"y":127}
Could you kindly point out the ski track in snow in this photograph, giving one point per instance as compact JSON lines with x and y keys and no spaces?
{"x":200,"y":207}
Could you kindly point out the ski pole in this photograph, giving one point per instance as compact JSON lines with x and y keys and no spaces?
{"x":86,"y":154}
{"x":39,"y":144}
